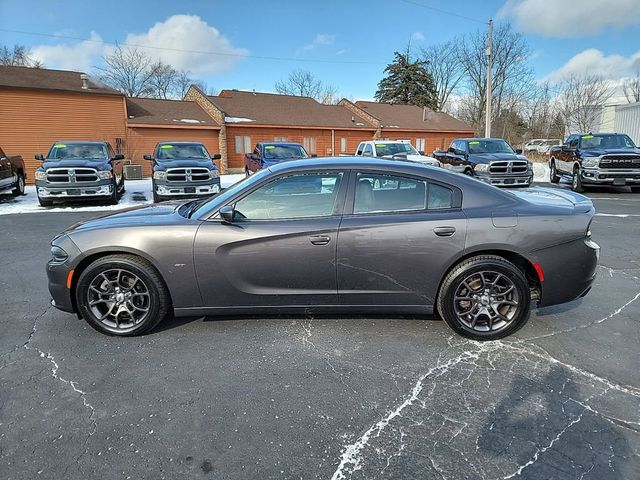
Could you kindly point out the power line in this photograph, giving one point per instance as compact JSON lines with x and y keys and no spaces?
{"x":444,"y":11}
{"x":199,"y":52}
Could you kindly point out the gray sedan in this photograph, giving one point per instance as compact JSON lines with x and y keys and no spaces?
{"x":332,"y":235}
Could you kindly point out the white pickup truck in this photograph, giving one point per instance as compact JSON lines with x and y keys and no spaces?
{"x":397,"y":149}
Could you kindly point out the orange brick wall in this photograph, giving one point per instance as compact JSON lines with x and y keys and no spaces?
{"x":433,"y":140}
{"x":143,"y":140}
{"x":32,"y":120}
{"x":323,"y":140}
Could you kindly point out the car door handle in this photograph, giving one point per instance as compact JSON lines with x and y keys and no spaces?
{"x":320,"y":239}
{"x":444,"y":231}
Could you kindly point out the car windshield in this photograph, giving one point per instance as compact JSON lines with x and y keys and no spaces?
{"x":386,"y":149}
{"x":284,"y":151}
{"x":66,"y":151}
{"x":170,"y":151}
{"x":489,"y":146}
{"x":606,"y":141}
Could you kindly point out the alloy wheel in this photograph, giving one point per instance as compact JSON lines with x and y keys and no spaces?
{"x":119,"y":299}
{"x":486,"y":301}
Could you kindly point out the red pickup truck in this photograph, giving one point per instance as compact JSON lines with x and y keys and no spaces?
{"x":12,"y":173}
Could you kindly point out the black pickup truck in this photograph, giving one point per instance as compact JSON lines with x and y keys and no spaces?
{"x":596,"y":159}
{"x":74,"y":171}
{"x":491,"y":160}
{"x":12,"y":173}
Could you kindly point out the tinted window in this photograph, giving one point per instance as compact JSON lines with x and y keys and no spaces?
{"x":388,"y":149}
{"x":168,"y":151}
{"x":489,"y":146}
{"x":388,"y":193}
{"x":439,"y":197}
{"x":284,"y":151}
{"x":606,"y":141}
{"x":295,"y":196}
{"x":62,"y":151}
{"x":573,"y":142}
{"x":368,"y":150}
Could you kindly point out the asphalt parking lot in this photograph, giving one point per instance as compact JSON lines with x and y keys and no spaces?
{"x":309,"y":397}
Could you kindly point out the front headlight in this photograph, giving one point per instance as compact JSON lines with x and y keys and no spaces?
{"x":213,"y":173}
{"x":159,"y":175}
{"x":481,"y":167}
{"x":58,"y":254}
{"x":40,"y":175}
{"x":104,"y":174}
{"x":590,"y":162}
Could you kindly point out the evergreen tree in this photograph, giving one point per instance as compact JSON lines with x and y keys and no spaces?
{"x":407,"y":82}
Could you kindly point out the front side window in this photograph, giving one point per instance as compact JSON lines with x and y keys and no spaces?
{"x":295,"y":196}
{"x":388,"y":193}
{"x":368,"y":150}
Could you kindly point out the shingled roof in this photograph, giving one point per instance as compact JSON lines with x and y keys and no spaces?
{"x":45,"y":79}
{"x":152,"y":111}
{"x":252,"y":108}
{"x":411,"y":117}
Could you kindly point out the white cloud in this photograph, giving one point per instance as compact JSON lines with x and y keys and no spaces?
{"x":320,"y":39}
{"x":342,"y":51}
{"x":417,"y":37}
{"x":188,"y":32}
{"x":570,"y":18}
{"x":594,"y":62}
{"x":81,"y":56}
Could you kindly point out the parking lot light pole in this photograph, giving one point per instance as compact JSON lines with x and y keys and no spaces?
{"x":489,"y":53}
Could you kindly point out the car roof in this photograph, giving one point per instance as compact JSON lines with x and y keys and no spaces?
{"x":80,"y":142}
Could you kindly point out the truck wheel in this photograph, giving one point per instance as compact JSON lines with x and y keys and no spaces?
{"x":157,"y":198}
{"x":247,"y":173}
{"x":19,"y":190}
{"x":122,"y":295}
{"x":469,"y":172}
{"x":576,"y":182}
{"x":45,"y":203}
{"x":553,"y":173}
{"x":485,"y":298}
{"x":114,"y":198}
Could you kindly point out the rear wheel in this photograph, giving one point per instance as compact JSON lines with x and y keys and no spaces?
{"x":469,"y":172}
{"x":576,"y":182}
{"x":553,"y":173}
{"x":19,"y":190}
{"x":122,"y":295}
{"x":485,"y":298}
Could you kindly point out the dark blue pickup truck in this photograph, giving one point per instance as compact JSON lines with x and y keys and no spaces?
{"x":267,"y":154}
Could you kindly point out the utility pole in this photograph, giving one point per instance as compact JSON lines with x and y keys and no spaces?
{"x":489,"y":53}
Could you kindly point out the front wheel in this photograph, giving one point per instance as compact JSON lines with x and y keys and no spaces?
{"x":576,"y":181}
{"x":553,"y":173}
{"x":19,"y":190}
{"x":122,"y":295}
{"x":485,"y":298}
{"x":114,"y":198}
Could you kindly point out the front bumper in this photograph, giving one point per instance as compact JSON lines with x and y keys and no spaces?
{"x":176,"y":189}
{"x":49,"y":191}
{"x":506,"y":180}
{"x":58,"y":275}
{"x":618,"y":177}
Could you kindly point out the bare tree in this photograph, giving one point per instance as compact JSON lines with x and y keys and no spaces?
{"x":129,"y":71}
{"x":445,"y":69}
{"x":205,"y":87}
{"x":183,"y":82}
{"x":631,"y":88}
{"x":163,"y":81}
{"x":303,"y":83}
{"x":19,"y":56}
{"x":582,"y":100}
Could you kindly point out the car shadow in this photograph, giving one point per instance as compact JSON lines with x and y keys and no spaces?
{"x":544,"y":427}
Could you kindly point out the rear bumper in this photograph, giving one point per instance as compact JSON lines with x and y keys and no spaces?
{"x":101,"y":188}
{"x":620,"y":177}
{"x":506,"y":180}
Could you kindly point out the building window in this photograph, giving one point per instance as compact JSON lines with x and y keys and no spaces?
{"x":343,"y":145}
{"x":310,"y":144}
{"x":420,"y":144}
{"x":243,"y":144}
{"x":280,"y":139}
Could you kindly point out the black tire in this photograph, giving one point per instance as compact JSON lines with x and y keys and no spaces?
{"x":635,"y":189}
{"x":114,"y":198}
{"x":45,"y":203}
{"x":553,"y":173}
{"x":468,"y":172}
{"x":247,"y":173}
{"x":157,"y":300}
{"x":505,"y":273}
{"x":157,"y":198}
{"x":19,"y":190}
{"x":576,"y":181}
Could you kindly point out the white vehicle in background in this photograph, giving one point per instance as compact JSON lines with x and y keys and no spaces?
{"x":546,"y":145}
{"x":398,"y":149}
{"x":533,"y":144}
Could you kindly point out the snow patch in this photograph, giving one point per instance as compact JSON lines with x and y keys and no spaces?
{"x":238,"y":119}
{"x":188,"y":120}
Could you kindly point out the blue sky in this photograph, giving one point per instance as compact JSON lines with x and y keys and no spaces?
{"x":601,"y":36}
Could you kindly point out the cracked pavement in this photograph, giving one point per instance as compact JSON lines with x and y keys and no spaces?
{"x":361,"y":397}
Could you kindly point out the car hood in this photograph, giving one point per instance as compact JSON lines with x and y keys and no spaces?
{"x":492,"y":157}
{"x":596,"y":152}
{"x":77,"y":162}
{"x":183,"y":163}
{"x":157,"y":214}
{"x":555,"y":197}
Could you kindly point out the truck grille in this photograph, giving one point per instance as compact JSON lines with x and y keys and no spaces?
{"x":505,"y":167}
{"x":620,"y":161}
{"x":71,"y":175}
{"x":187,"y":175}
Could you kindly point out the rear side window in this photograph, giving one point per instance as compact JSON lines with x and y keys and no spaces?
{"x":439,"y":197}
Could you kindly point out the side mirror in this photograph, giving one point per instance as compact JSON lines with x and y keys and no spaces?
{"x":227,"y":213}
{"x":148,"y":157}
{"x":451,"y":150}
{"x":40,"y":157}
{"x":217,"y":156}
{"x":314,"y":155}
{"x":119,"y":156}
{"x":421,"y":152}
{"x":519,"y":151}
